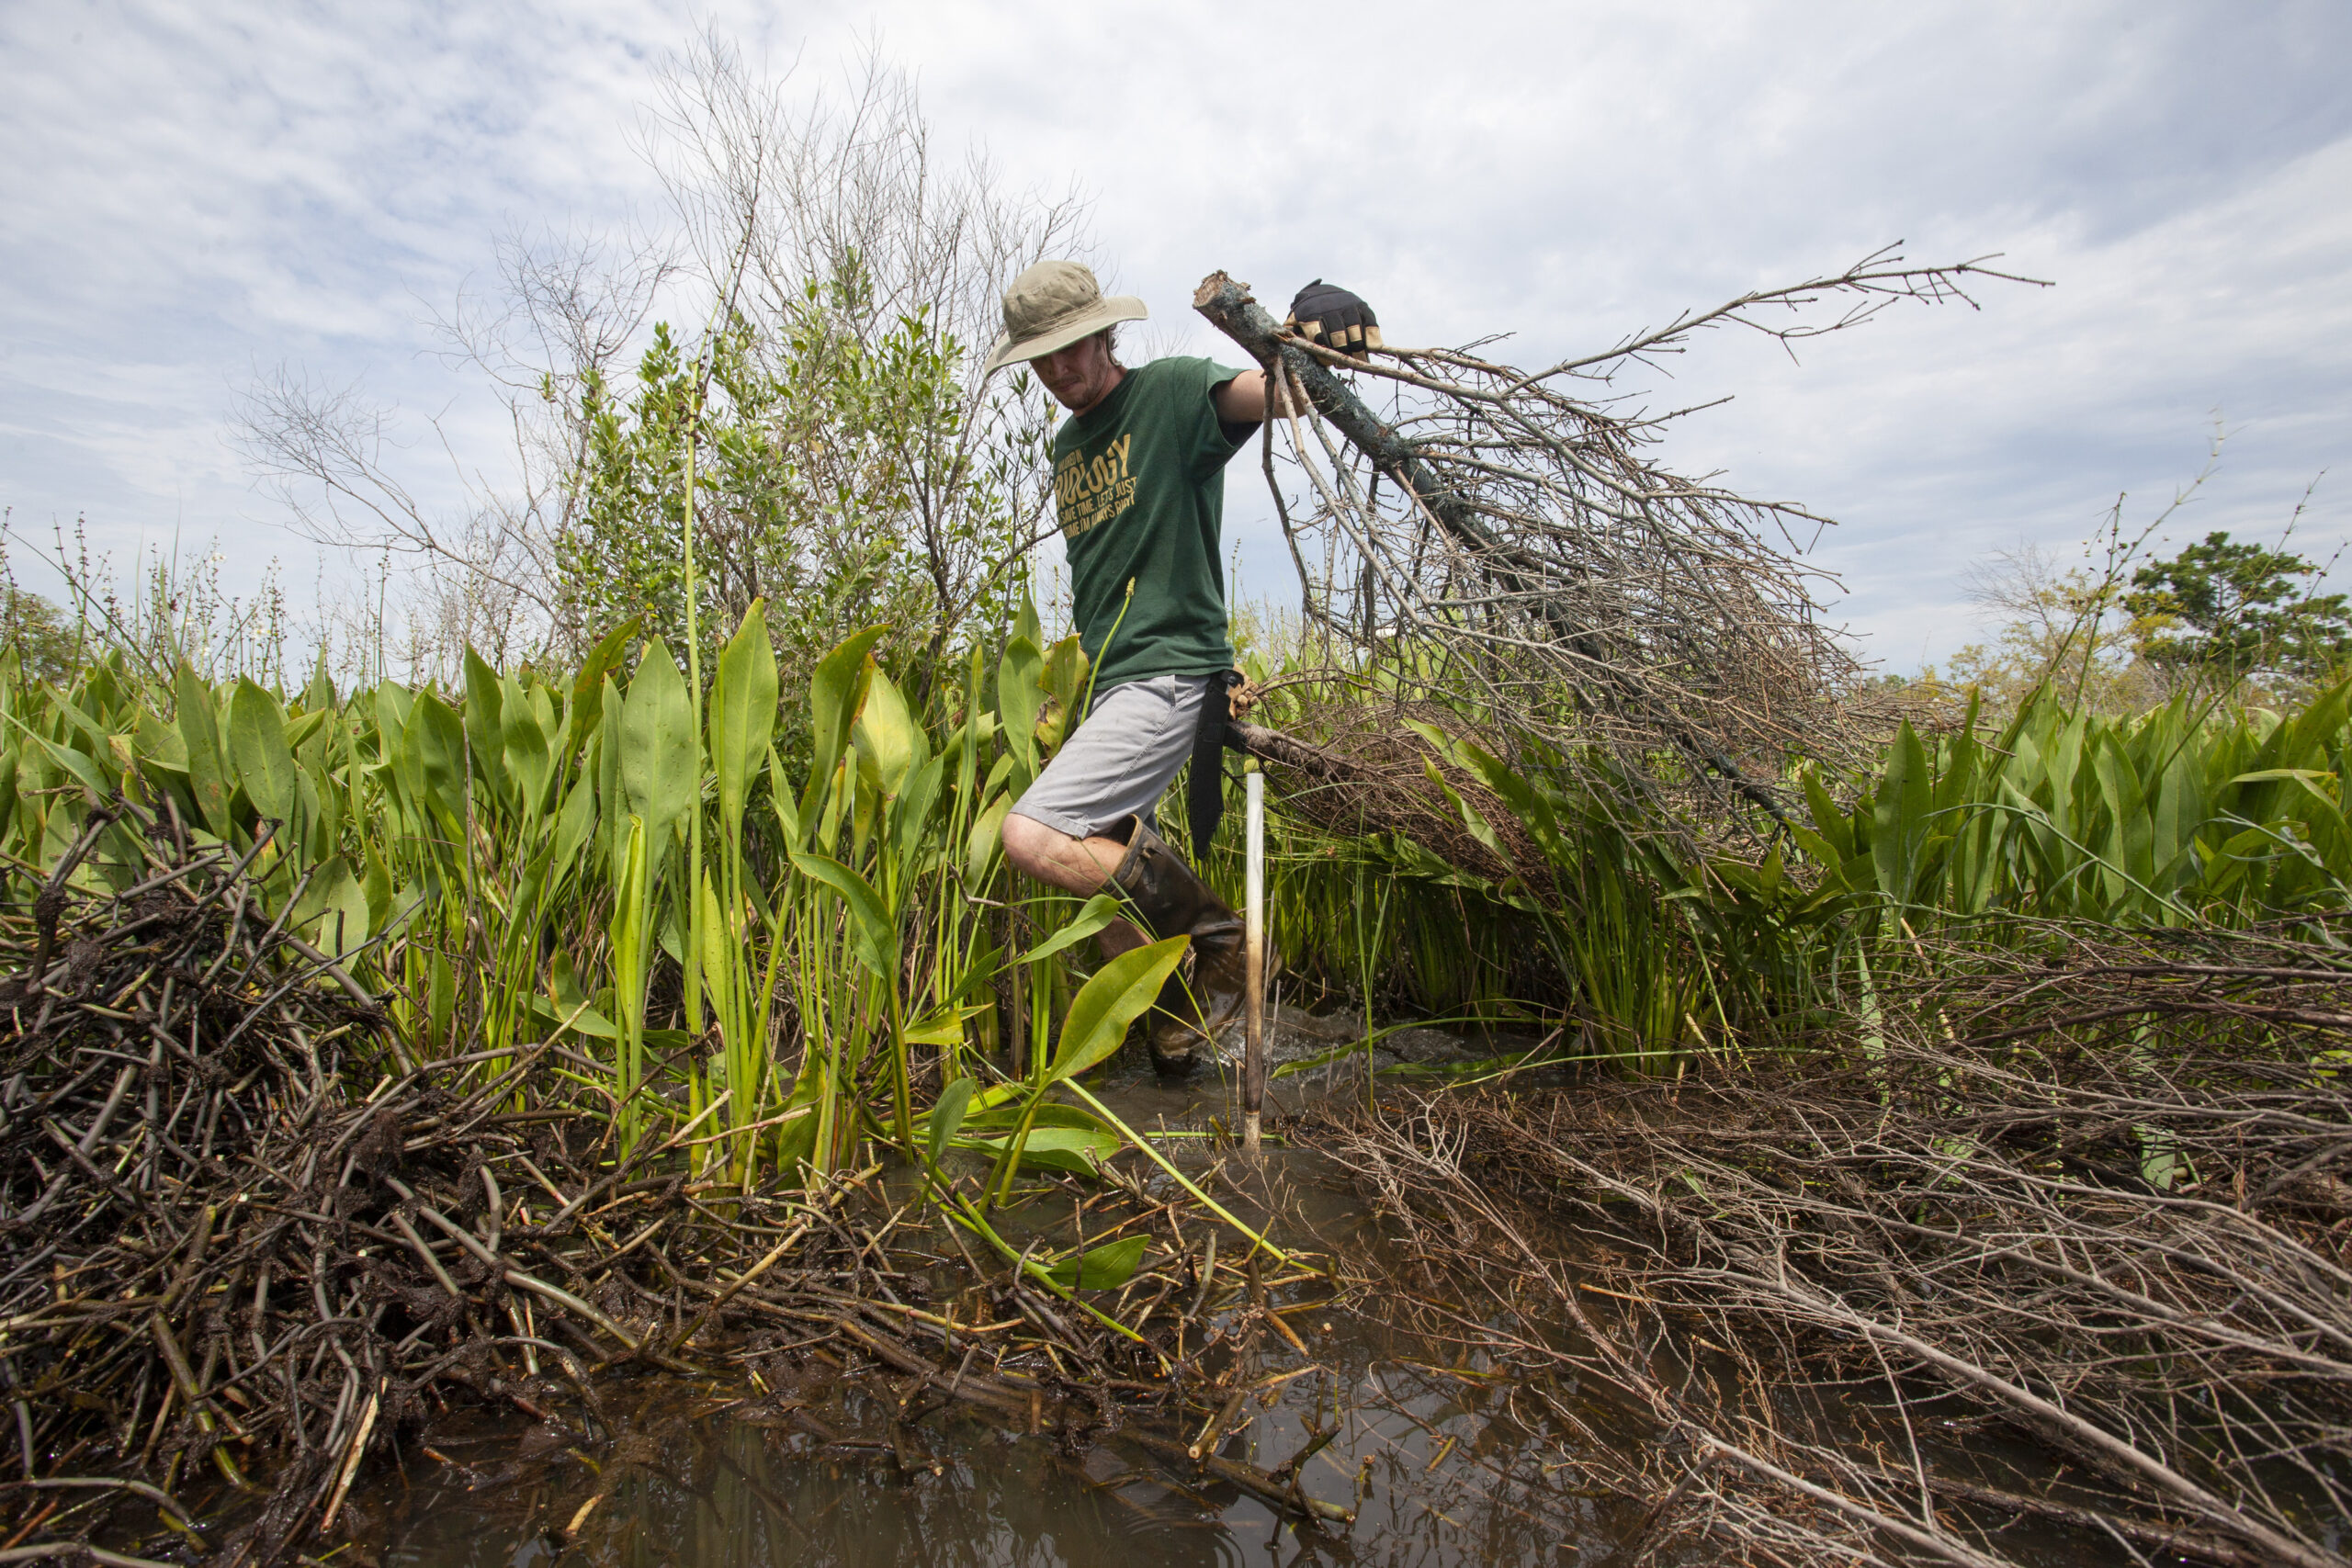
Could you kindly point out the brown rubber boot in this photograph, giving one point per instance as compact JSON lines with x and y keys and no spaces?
{"x":1172,"y":899}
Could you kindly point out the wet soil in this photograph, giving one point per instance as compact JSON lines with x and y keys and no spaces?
{"x":1440,"y":1456}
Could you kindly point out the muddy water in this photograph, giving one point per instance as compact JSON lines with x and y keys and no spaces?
{"x":1435,"y":1468}
{"x":1442,"y":1460}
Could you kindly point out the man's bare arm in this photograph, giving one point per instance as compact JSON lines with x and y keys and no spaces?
{"x":1242,"y":401}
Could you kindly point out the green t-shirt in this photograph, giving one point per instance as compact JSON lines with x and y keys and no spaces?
{"x":1140,"y":490}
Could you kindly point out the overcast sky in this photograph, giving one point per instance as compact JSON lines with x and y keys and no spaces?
{"x":193,"y":194}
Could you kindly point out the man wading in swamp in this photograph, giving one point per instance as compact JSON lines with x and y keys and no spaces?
{"x":1140,"y":489}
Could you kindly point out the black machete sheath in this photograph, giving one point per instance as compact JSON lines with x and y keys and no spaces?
{"x":1204,"y":791}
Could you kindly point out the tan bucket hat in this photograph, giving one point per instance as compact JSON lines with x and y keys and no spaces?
{"x":1052,"y":305}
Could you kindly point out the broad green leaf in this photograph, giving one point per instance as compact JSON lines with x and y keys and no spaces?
{"x":947,"y":1116}
{"x":319,"y":696}
{"x":612,"y":799}
{"x":572,"y":1007}
{"x":888,"y":736}
{"x":525,"y":730}
{"x":1114,"y":998}
{"x":1829,"y":822}
{"x":874,"y":935}
{"x":441,"y":1000}
{"x":835,"y":695}
{"x":2264,"y":775}
{"x":990,"y":1114}
{"x":986,"y":842}
{"x":717,"y":953}
{"x":657,"y":746}
{"x":485,"y":731}
{"x":910,"y":817}
{"x":1472,"y":819}
{"x":1440,"y":742}
{"x":1020,"y":693}
{"x":84,"y":770}
{"x":257,"y":744}
{"x":863,"y":797}
{"x":94,"y":733}
{"x":1104,"y":1268}
{"x":207,"y":769}
{"x":161,"y":745}
{"x":1092,"y":916}
{"x":2131,"y":829}
{"x":1899,"y":815}
{"x":576,"y":825}
{"x":377,"y":889}
{"x":2296,"y":742}
{"x":588,"y":686}
{"x":1080,"y":1150}
{"x":392,"y":708}
{"x":333,"y":912}
{"x":1066,"y":683}
{"x":999,"y":1097}
{"x":432,"y":758}
{"x":1523,"y":797}
{"x":945,"y":1027}
{"x":300,"y":731}
{"x":787,"y":813}
{"x":1956,"y":780}
{"x":2176,"y":813}
{"x":742,"y":715}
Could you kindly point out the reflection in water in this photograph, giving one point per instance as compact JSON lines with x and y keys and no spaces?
{"x":1437,"y":1471}
{"x":1443,"y":1464}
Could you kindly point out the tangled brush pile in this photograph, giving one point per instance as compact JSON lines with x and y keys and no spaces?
{"x":1504,"y":540}
{"x":246,"y":1240}
{"x":2053,"y":1245}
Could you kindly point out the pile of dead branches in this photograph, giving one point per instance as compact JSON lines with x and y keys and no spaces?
{"x":1505,"y":539}
{"x":245,"y":1241}
{"x":2053,"y":1250}
{"x":1354,"y":770}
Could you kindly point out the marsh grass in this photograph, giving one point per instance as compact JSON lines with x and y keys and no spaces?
{"x":515,"y":864}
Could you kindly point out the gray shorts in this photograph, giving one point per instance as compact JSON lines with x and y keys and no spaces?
{"x":1122,"y":759}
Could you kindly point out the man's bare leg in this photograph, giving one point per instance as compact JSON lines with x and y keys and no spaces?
{"x":1075,"y":865}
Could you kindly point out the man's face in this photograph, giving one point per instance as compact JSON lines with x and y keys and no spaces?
{"x":1079,"y":375}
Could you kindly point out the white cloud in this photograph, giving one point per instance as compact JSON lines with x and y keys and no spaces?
{"x":197,"y":191}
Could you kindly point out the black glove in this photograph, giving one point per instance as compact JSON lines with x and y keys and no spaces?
{"x":1334,"y":318}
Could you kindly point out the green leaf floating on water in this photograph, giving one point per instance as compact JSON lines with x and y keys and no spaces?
{"x":1075,"y":1149}
{"x":1101,"y":1268}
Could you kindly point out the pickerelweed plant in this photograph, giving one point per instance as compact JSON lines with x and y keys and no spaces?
{"x":514,"y":874}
